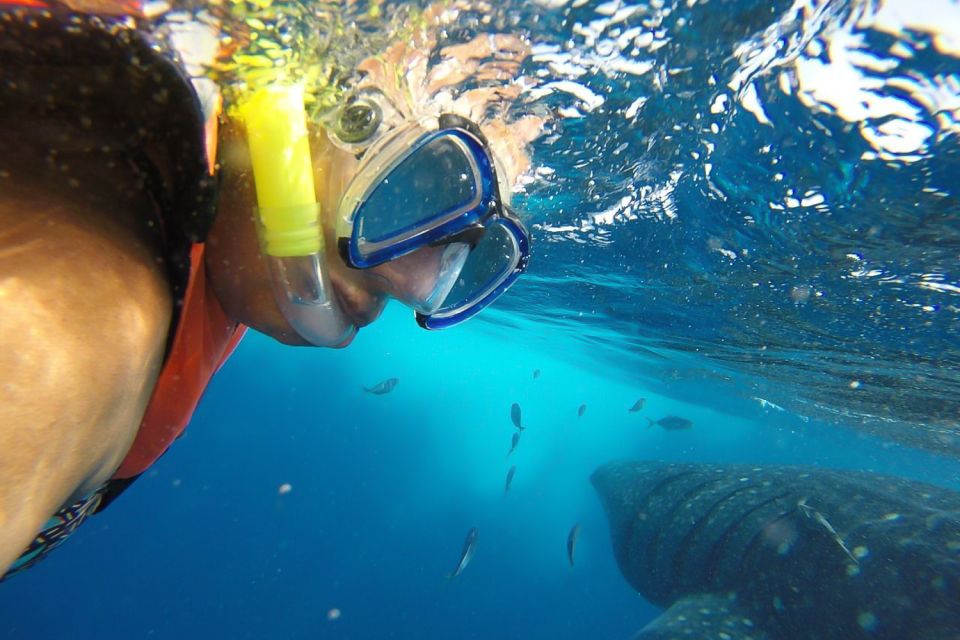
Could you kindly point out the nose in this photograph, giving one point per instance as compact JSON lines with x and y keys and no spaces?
{"x":423,"y":278}
{"x":413,"y":276}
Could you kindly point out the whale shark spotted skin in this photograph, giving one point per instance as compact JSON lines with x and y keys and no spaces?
{"x":741,"y":552}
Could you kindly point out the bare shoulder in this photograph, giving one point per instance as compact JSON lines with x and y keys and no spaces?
{"x":86,"y":308}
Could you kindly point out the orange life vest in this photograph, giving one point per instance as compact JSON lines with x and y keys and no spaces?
{"x":204,"y":339}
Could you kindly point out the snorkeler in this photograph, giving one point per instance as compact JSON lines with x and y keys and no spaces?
{"x":143,"y":231}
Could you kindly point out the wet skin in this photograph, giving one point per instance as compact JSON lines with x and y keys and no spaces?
{"x":239,"y":274}
{"x":86,"y":310}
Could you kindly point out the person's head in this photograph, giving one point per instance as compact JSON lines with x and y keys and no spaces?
{"x":413,"y":198}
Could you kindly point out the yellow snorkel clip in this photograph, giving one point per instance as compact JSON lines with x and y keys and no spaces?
{"x":288,"y":214}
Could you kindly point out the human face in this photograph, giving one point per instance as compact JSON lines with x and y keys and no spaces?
{"x":434,"y":185}
{"x":352,"y":297}
{"x":362,"y":293}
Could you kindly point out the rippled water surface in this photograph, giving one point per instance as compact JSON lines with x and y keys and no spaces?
{"x":760,"y":194}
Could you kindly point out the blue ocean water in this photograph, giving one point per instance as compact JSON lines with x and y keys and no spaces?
{"x":384,"y":490}
{"x":717,"y":230}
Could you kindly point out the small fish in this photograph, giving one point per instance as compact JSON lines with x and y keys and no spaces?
{"x":506,"y":486}
{"x":384,"y":387}
{"x":469,"y":546}
{"x":582,"y":410}
{"x":638,"y":405}
{"x":671,"y":423}
{"x":817,"y":517}
{"x":514,"y":442}
{"x":572,"y":538}
{"x":766,"y":404}
{"x":536,"y":373}
{"x":515,"y":415}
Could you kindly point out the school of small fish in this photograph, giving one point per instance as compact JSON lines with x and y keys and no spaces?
{"x":668,"y":423}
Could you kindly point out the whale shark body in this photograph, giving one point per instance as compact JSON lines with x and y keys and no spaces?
{"x":785,"y":553}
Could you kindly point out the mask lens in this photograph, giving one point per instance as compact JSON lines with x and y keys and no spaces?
{"x":436,"y":181}
{"x":487,"y":266}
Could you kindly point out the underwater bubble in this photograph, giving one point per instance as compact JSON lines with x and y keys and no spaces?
{"x":867,"y":620}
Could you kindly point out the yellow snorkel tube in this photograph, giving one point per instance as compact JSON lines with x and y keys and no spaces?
{"x":288,"y":214}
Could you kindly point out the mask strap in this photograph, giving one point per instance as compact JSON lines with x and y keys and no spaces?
{"x":454,"y":121}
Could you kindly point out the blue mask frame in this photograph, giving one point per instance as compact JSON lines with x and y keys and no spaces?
{"x":509,"y":220}
{"x":467,"y":225}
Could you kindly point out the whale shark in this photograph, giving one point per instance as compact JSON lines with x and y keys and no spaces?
{"x":738,"y":552}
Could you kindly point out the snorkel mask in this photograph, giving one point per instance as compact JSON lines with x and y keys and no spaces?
{"x":424,"y":213}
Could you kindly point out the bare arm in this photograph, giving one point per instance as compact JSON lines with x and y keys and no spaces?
{"x":84,"y":315}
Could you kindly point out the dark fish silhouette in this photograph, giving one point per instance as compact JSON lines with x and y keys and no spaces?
{"x":671,"y":423}
{"x":572,"y":538}
{"x":506,"y":486}
{"x":514,"y":442}
{"x":536,"y":373}
{"x":638,"y":405}
{"x":582,"y":410}
{"x":469,"y":546}
{"x":384,"y":387}
{"x":515,"y":416}
{"x":784,"y":552}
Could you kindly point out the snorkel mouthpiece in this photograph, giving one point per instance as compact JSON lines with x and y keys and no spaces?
{"x":288,"y":214}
